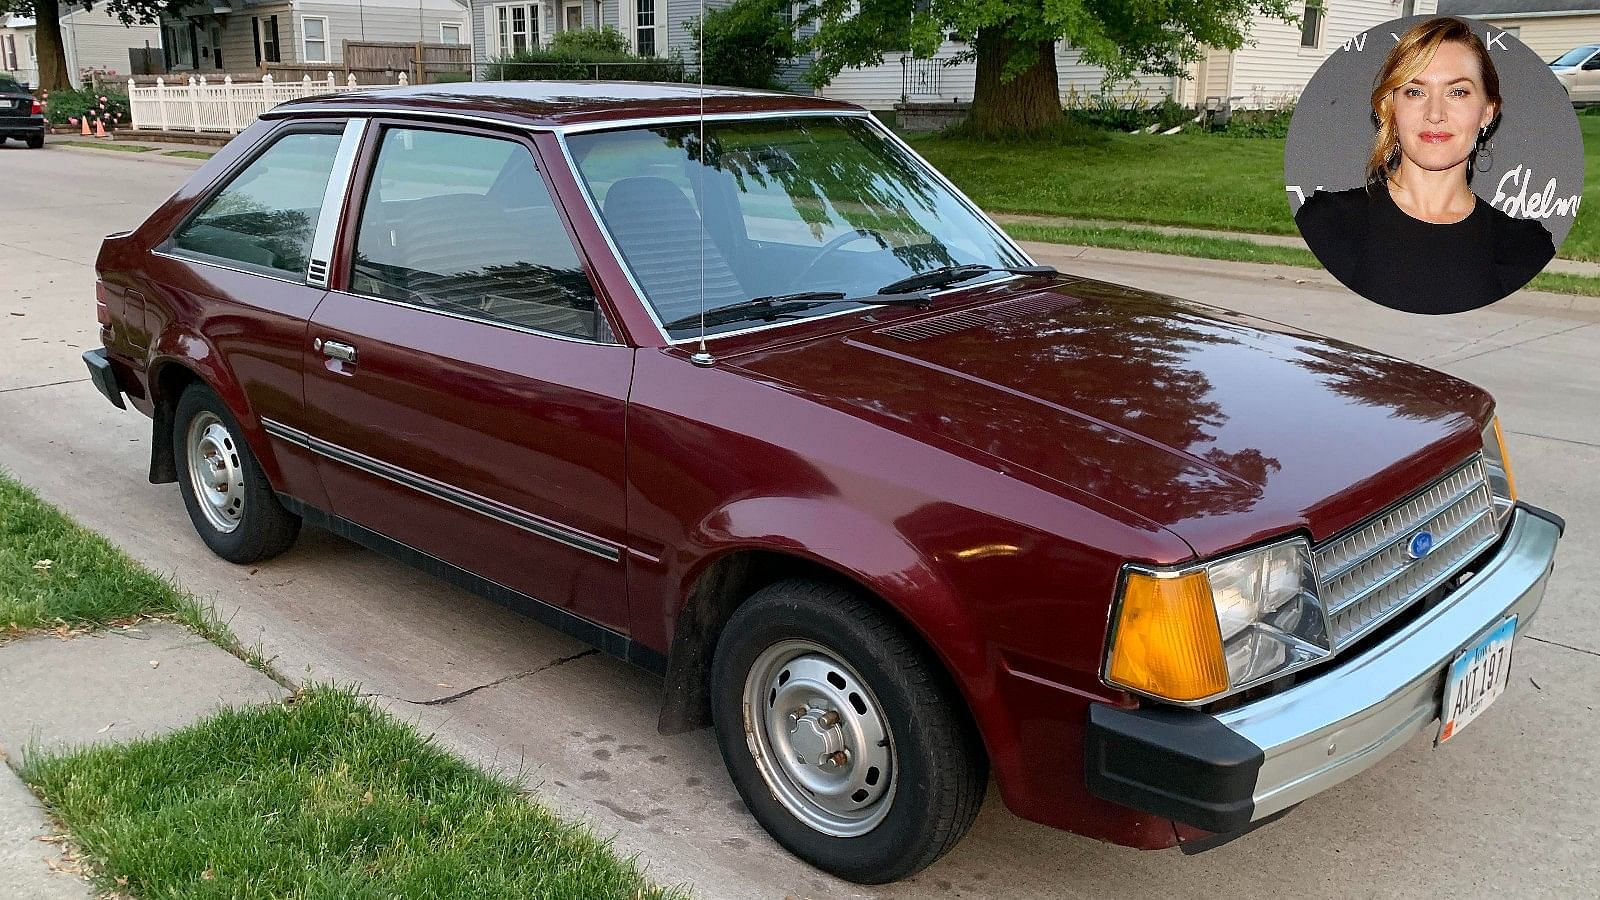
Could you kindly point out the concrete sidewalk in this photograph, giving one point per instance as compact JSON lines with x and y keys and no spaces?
{"x":112,"y":685}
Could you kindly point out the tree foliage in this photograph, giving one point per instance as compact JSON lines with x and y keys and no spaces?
{"x":47,"y":30}
{"x":746,"y":43}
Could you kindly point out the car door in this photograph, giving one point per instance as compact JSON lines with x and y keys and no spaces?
{"x":1586,"y":81}
{"x":238,"y":271}
{"x":466,"y":397}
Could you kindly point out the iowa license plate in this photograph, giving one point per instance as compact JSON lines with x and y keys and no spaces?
{"x":1477,"y":676}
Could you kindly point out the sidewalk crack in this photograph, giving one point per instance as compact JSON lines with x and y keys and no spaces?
{"x":514,"y":676}
{"x":29,"y":387}
{"x":1564,"y":646}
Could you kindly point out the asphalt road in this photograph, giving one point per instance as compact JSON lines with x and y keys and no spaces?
{"x":1507,"y":809}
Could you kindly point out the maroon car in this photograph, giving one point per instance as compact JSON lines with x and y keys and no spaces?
{"x":758,"y":400}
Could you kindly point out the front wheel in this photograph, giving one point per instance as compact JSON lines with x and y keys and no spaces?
{"x":841,"y":734}
{"x":232,"y":505}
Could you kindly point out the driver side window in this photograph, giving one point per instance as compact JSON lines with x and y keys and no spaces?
{"x":266,"y":216}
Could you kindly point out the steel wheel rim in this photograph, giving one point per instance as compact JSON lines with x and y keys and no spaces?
{"x":216,"y":472}
{"x":790,"y":691}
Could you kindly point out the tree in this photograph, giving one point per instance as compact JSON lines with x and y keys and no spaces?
{"x":746,"y":43}
{"x":1014,"y":43}
{"x":46,"y":15}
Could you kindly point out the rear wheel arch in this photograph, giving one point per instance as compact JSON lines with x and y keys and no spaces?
{"x":168,"y":380}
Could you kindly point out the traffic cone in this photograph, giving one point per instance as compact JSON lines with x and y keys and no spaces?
{"x":85,"y":121}
{"x":100,"y":128}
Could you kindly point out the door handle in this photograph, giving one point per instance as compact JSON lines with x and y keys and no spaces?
{"x":336,"y":350}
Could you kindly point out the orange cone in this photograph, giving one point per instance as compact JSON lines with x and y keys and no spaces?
{"x":100,"y":128}
{"x":85,"y":121}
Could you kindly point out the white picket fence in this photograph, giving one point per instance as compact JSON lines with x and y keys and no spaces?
{"x":226,"y":105}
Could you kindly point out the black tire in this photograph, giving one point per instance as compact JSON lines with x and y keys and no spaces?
{"x":35,"y":142}
{"x":261,"y":527}
{"x":939,"y":771}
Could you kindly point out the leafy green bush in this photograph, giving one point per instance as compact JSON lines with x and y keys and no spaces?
{"x":68,"y":107}
{"x":746,"y":43}
{"x":1124,"y":110}
{"x":1259,"y":123}
{"x":582,"y":63}
{"x":590,"y":40}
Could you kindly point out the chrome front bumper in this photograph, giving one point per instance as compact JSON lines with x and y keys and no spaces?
{"x":1224,"y":772}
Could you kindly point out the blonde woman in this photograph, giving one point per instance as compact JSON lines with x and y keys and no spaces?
{"x":1416,"y":238}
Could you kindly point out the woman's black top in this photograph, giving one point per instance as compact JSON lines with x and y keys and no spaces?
{"x":1385,"y":255}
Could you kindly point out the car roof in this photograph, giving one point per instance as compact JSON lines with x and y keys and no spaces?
{"x":555,"y":104}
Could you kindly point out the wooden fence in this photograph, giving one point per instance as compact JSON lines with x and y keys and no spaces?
{"x":227,"y":105}
{"x":423,"y":63}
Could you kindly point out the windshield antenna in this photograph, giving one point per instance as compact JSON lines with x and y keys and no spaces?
{"x":701,"y":357}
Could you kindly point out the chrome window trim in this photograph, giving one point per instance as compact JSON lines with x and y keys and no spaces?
{"x":204,"y":260}
{"x":508,"y":326}
{"x":432,"y":487}
{"x":319,"y":261}
{"x":627,"y":270}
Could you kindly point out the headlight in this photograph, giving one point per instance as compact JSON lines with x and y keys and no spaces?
{"x":1497,"y":466}
{"x":1191,"y":635}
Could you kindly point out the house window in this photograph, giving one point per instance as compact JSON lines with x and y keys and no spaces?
{"x":266,"y":34}
{"x":572,"y":16}
{"x":1408,"y":8}
{"x":449,"y":32}
{"x":517,"y":27}
{"x":9,"y":52}
{"x":647,"y":20}
{"x":1311,"y":24}
{"x":314,"y":30}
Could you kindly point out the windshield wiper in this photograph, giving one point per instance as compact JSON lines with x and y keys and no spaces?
{"x":948,"y":275}
{"x":770,"y":307}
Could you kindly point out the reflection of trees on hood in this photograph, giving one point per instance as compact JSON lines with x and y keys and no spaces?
{"x":1372,"y":379}
{"x":832,"y":171}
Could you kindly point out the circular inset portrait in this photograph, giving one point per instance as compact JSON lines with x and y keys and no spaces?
{"x":1434,"y":164}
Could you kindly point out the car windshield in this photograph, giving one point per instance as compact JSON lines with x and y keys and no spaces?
{"x":793,"y":204}
{"x":1573,"y":57}
{"x":9,"y":86}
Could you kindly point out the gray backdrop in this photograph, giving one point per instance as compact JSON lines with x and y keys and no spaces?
{"x":1331,"y":133}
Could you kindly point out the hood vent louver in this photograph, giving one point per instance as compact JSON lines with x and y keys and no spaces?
{"x":962,"y":320}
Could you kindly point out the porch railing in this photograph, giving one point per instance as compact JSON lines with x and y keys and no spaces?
{"x":228,"y":106}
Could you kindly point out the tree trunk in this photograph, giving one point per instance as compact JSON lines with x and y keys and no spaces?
{"x":47,"y":43}
{"x":1030,"y":102}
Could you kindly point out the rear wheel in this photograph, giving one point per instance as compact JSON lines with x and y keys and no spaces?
{"x":36,"y":142}
{"x":841,"y":734}
{"x":229,"y":500}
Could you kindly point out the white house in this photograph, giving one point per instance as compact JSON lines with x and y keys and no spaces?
{"x":93,"y":39}
{"x":1550,"y":27}
{"x":242,"y":35}
{"x":1274,"y":66}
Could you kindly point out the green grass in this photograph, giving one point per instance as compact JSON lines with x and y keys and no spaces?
{"x":108,"y":145}
{"x":1195,"y":180}
{"x":190,"y":154}
{"x":1235,"y":250}
{"x":54,"y":573}
{"x":322,"y":797}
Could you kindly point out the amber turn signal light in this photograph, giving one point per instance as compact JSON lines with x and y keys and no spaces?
{"x":1167,"y":642}
{"x":1505,"y":461}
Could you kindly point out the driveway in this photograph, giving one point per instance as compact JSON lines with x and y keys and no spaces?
{"x":1506,"y":809}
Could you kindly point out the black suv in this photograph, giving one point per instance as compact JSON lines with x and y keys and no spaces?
{"x":21,"y":116}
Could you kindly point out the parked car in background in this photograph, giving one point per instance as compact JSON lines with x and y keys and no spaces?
{"x":1578,"y":70}
{"x":737,"y":387}
{"x":21,"y":116}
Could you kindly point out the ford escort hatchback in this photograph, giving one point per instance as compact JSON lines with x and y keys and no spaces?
{"x":756,"y":399}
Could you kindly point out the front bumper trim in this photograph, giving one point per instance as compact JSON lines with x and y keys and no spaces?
{"x":1194,"y":768}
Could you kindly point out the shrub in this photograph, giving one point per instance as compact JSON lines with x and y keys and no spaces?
{"x":68,"y":107}
{"x":746,"y":43}
{"x":590,"y":40}
{"x":1128,"y":109}
{"x":1259,"y":123}
{"x":570,"y":64}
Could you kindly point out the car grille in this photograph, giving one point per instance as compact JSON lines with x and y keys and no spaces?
{"x":1367,"y":575}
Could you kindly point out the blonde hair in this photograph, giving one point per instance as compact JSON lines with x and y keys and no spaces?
{"x":1409,"y":58}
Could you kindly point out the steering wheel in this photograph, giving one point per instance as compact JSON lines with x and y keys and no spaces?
{"x":849,"y":237}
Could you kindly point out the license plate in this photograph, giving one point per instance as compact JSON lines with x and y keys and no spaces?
{"x":1477,"y":676}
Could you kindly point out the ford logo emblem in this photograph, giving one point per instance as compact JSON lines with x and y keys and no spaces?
{"x":1421,"y":545}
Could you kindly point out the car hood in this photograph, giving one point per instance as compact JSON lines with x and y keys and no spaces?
{"x":1219,"y":427}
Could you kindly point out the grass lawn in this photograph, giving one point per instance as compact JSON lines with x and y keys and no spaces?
{"x":1233,"y":184}
{"x":190,"y":154}
{"x":107,"y":145}
{"x":54,"y":574}
{"x":320,"y":797}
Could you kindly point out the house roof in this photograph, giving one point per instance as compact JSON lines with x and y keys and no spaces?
{"x":1514,"y":7}
{"x":555,"y":103}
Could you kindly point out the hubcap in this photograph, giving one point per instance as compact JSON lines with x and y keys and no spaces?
{"x":819,"y":738}
{"x":215,"y":472}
